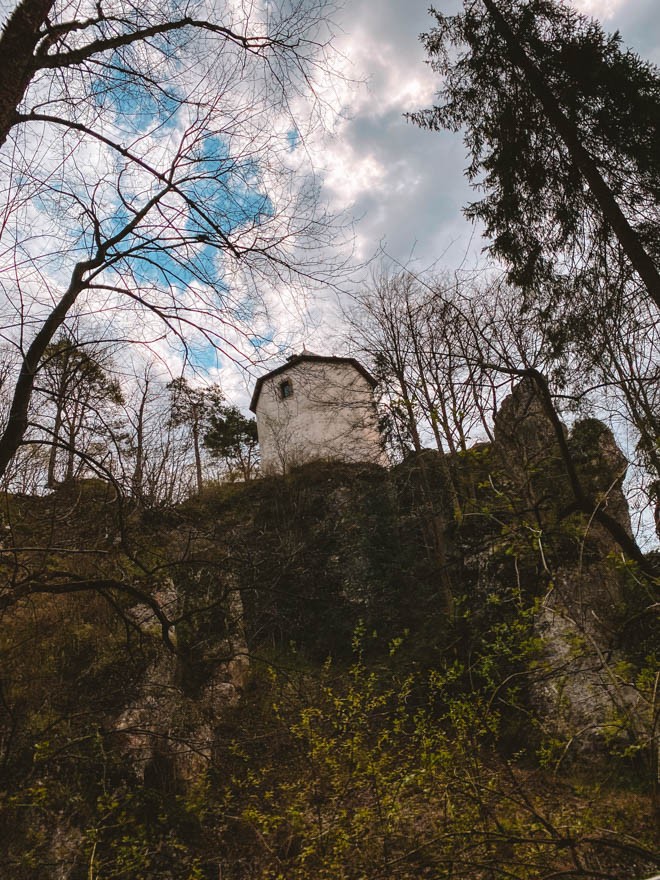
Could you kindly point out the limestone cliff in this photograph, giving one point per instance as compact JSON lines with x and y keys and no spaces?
{"x":307,"y":558}
{"x":373,"y":628}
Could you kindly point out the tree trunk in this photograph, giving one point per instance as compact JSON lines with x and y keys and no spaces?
{"x":198,"y":457}
{"x":628,"y":238}
{"x":17,"y":423}
{"x":138,"y":471}
{"x":19,"y":39}
{"x":71,"y":458}
{"x":51,"y":482}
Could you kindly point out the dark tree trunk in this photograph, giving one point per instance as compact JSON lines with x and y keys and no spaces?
{"x":18,"y":41}
{"x":52,"y":458}
{"x":198,"y":456}
{"x":628,"y":238}
{"x":17,"y":423}
{"x":71,"y":457}
{"x":138,"y":471}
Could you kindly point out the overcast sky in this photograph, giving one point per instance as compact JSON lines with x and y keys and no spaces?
{"x":405,"y":187}
{"x":406,"y":184}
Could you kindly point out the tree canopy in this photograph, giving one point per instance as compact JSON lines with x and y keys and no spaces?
{"x":233,"y":438}
{"x":561,"y":123}
{"x":77,"y":385}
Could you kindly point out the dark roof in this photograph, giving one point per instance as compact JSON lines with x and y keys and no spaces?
{"x":313,"y":358}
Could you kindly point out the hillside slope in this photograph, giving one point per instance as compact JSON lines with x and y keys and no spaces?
{"x":441,"y":671}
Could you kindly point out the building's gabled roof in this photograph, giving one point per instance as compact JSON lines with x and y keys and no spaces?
{"x":307,"y":358}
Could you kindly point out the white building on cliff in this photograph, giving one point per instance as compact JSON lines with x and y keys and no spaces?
{"x":316,"y":407}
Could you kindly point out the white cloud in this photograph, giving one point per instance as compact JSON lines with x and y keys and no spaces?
{"x":404,"y":187}
{"x":348,"y":175}
{"x":603,"y":9}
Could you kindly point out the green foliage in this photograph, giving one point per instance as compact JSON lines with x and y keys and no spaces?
{"x":368,"y":773}
{"x":416,"y":751}
{"x":193,"y":406}
{"x":233,"y":438}
{"x":541,"y":215}
{"x":82,"y":395}
{"x":68,"y":370}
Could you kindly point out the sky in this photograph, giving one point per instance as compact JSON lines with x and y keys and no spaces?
{"x":403,"y":188}
{"x":407,"y":185}
{"x":400,"y":188}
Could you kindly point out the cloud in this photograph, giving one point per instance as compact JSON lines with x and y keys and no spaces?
{"x":406,"y":187}
{"x":639,"y":24}
{"x":603,"y":9}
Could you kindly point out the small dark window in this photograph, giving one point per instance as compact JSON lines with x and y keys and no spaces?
{"x":286,"y":389}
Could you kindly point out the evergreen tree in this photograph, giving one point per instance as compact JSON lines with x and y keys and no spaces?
{"x":561,"y":123}
{"x":77,"y":384}
{"x":192,"y":407}
{"x":233,"y":438}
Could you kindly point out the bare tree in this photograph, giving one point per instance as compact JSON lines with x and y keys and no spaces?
{"x":145,"y":169}
{"x":154,"y":453}
{"x":621,"y":355}
{"x":447,"y":352}
{"x":421,"y":337}
{"x":193,"y":409}
{"x":75,"y":383}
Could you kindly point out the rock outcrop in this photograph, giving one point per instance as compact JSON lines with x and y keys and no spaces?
{"x":582,"y":698}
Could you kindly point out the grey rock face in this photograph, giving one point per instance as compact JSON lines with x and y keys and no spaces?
{"x":578,"y":690}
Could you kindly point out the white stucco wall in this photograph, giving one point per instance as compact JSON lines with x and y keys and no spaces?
{"x":329,"y":415}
